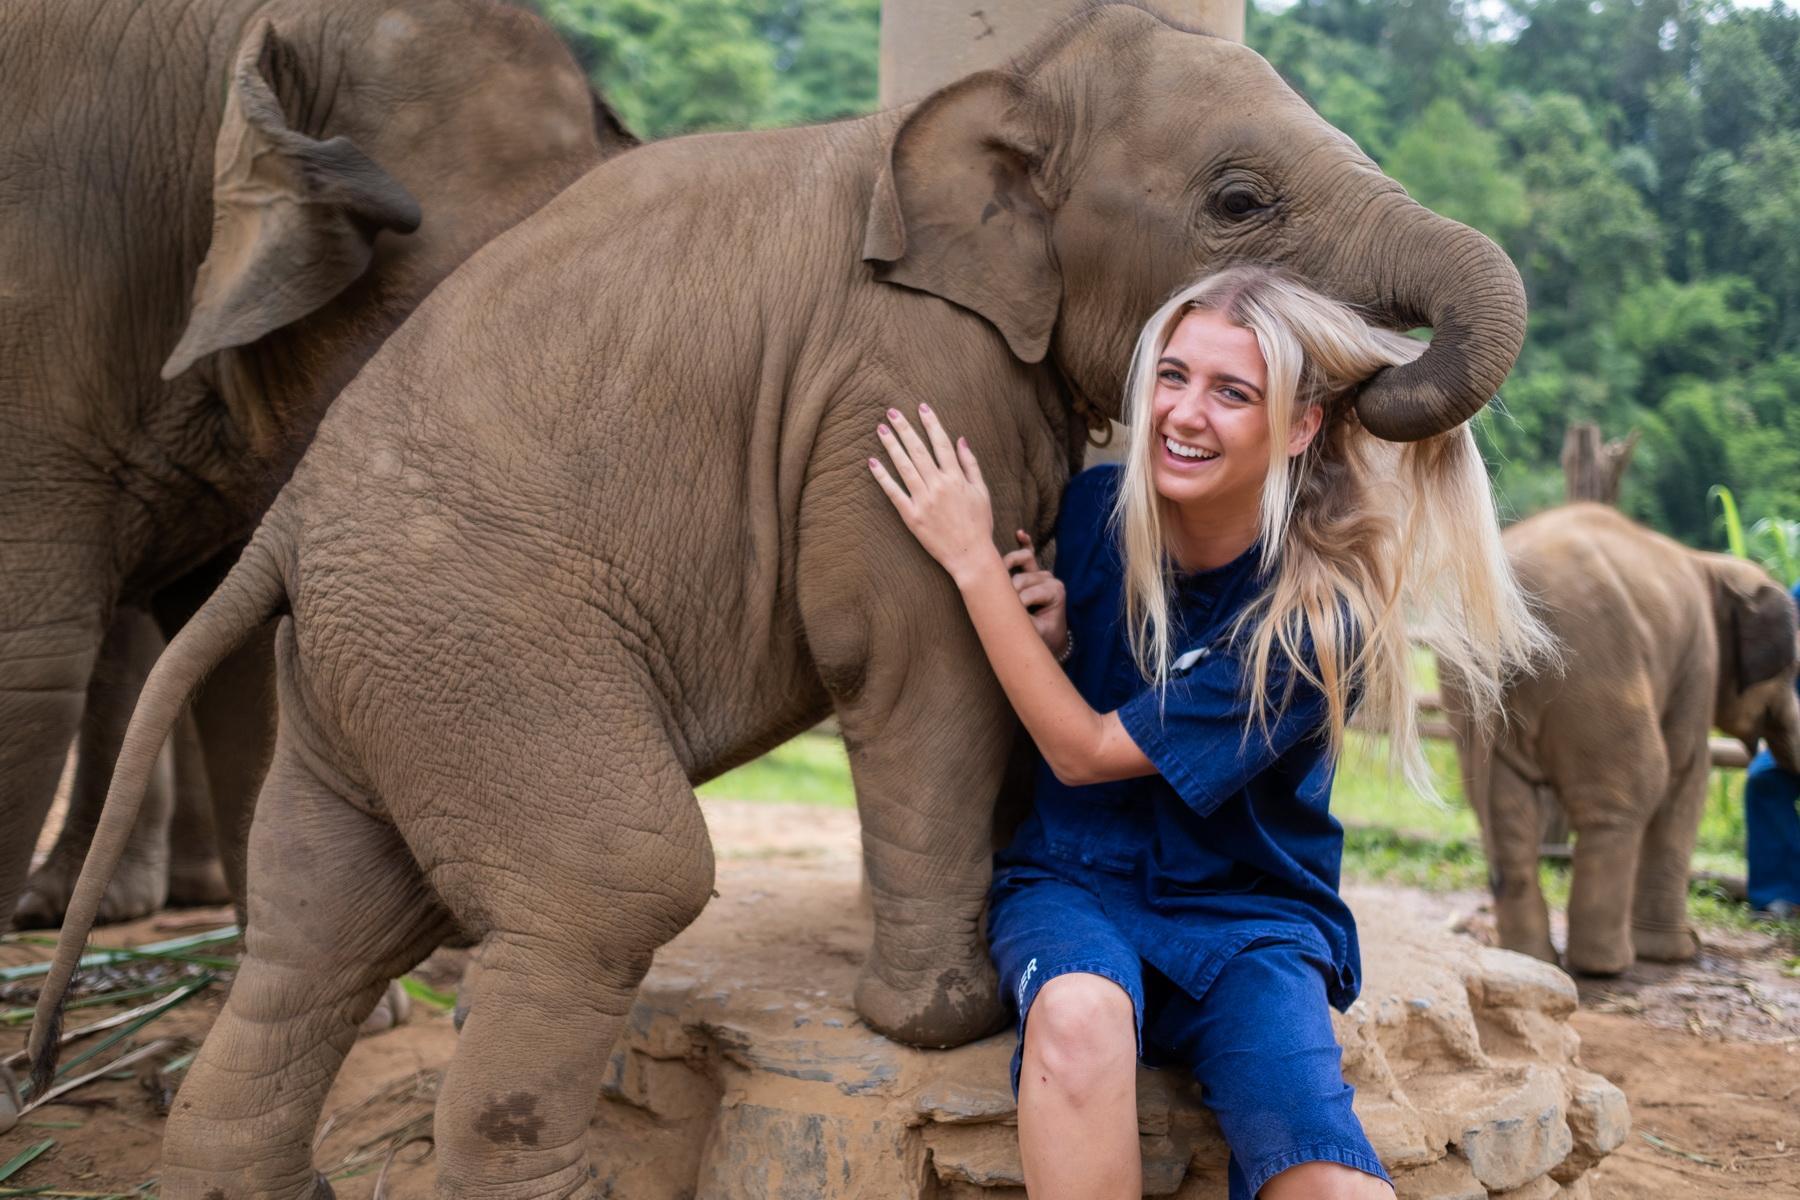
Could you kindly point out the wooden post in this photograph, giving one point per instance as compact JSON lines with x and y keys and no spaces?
{"x":1592,"y":468}
{"x":927,"y":43}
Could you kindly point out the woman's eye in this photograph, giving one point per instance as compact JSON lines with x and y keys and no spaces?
{"x":1233,"y":395}
{"x":1172,"y":377}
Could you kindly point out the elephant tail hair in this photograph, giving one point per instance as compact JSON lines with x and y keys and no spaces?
{"x":252,"y":592}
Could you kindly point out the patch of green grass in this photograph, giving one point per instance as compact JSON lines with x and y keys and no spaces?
{"x":1392,"y":834}
{"x":809,"y":769}
{"x":1365,"y":793}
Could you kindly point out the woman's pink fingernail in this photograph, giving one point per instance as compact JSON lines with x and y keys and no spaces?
{"x":893,"y":414}
{"x":884,"y":429}
{"x":873,"y":465}
{"x":924,"y":408}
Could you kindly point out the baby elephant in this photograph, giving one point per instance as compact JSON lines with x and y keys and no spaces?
{"x":1661,"y":644}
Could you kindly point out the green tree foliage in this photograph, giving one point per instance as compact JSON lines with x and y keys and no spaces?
{"x":1639,"y":160}
{"x":687,"y":66}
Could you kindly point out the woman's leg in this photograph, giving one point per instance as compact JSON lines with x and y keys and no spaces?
{"x":1261,"y":1044}
{"x":1771,"y":833}
{"x":1077,"y":988}
{"x":1078,"y":1133}
{"x":1326,"y":1181}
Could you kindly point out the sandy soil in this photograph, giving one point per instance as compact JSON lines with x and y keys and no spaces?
{"x":1708,"y":1054}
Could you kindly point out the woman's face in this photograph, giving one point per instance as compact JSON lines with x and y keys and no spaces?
{"x":1210,"y":445}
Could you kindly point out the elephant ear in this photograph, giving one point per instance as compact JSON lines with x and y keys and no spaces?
{"x":294,"y":218}
{"x":958,"y":211}
{"x":1760,"y":628}
{"x":614,"y":135}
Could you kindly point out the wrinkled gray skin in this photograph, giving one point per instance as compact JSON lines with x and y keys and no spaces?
{"x":1661,"y":645}
{"x":171,"y":857}
{"x":210,"y":215}
{"x":549,"y":564}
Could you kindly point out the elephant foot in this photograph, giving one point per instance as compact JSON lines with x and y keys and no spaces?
{"x":1598,"y":960}
{"x":1536,"y":944}
{"x":198,"y":884}
{"x":137,"y":890}
{"x":948,"y":1007}
{"x":1663,"y":944}
{"x":320,"y":1189}
{"x":394,"y":1007}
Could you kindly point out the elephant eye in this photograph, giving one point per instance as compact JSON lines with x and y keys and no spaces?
{"x":1240,"y":200}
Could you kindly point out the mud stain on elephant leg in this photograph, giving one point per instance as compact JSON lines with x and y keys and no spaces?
{"x":511,"y":1120}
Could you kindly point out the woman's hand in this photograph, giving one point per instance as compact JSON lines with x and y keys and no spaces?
{"x":944,"y":501}
{"x":1042,"y":594}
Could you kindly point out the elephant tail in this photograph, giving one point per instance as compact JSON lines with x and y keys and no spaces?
{"x":254,"y":591}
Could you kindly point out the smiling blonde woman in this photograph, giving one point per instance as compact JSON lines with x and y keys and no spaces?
{"x":1257,"y":568}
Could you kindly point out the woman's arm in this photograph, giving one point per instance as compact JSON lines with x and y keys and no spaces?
{"x":946,"y":505}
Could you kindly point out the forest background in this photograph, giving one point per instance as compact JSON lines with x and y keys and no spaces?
{"x":1638,"y":159}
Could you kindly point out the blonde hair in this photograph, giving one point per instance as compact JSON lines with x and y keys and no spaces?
{"x":1369,"y":546}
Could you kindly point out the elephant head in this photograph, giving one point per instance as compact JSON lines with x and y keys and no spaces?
{"x":1066,"y":197}
{"x":1759,"y":657}
{"x":364,"y":152}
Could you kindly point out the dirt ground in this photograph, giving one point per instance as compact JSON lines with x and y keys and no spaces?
{"x":1708,"y":1054}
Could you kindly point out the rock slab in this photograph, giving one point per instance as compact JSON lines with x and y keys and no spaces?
{"x":744,"y":1073}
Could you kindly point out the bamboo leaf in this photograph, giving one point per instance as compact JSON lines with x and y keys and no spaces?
{"x":189,"y":992}
{"x":173,"y":949}
{"x":423,"y":992}
{"x":1734,"y":528}
{"x":18,"y":1162}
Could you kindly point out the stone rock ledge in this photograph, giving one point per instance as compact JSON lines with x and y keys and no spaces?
{"x":744,"y":1074}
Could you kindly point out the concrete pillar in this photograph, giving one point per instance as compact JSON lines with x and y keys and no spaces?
{"x":927,"y":43}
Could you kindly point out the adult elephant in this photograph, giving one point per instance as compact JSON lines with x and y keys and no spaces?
{"x":547,"y":565}
{"x":1662,"y":644}
{"x":210,"y":215}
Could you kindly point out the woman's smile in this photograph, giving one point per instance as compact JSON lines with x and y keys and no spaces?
{"x":1185,"y":456}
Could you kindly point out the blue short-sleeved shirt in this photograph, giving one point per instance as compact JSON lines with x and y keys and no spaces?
{"x":1233,"y":835}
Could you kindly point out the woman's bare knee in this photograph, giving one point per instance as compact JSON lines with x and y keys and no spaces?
{"x":1325,"y":1181}
{"x":1081,"y":1035}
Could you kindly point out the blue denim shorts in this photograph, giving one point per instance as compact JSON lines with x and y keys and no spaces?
{"x":1258,"y":1037}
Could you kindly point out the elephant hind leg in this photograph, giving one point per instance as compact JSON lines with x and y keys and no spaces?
{"x":1609,"y":816}
{"x":1659,"y":927}
{"x":337,"y":909}
{"x":1508,"y":806}
{"x":571,"y":896}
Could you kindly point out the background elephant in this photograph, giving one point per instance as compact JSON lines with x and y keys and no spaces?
{"x":1661,"y":644}
{"x":210,"y":215}
{"x":549,"y":564}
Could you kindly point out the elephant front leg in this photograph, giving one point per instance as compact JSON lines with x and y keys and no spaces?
{"x":196,"y":876}
{"x":235,"y":715}
{"x":140,"y":885}
{"x":928,"y":745}
{"x":43,"y":689}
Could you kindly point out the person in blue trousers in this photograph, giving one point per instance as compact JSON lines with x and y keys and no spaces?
{"x":1772,"y":834}
{"x":1221,"y":602}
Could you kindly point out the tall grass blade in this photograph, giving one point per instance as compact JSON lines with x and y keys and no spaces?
{"x":1734,"y":528}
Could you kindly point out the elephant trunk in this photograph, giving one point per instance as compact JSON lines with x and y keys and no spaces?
{"x":1783,"y":733}
{"x":1436,"y":272}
